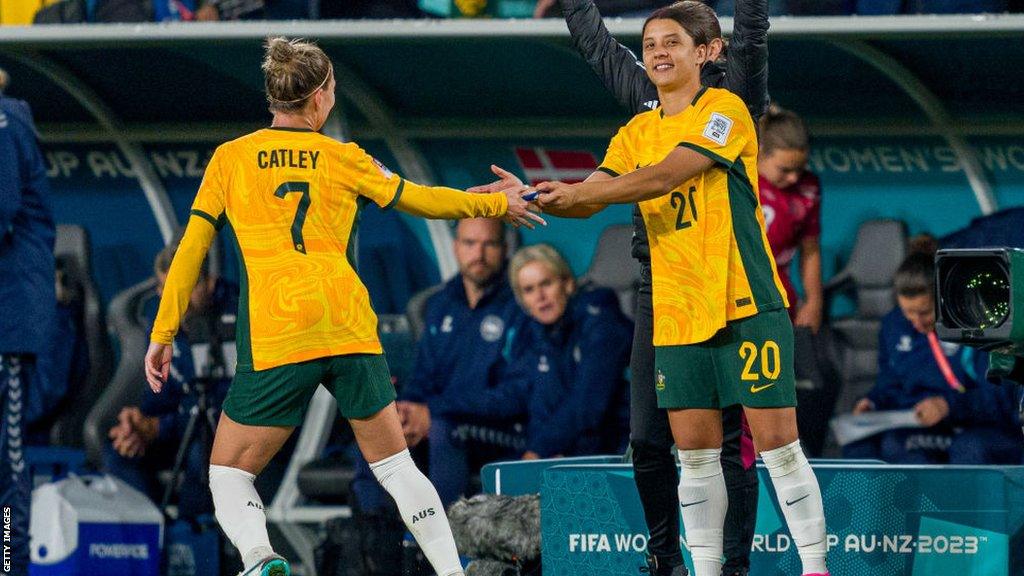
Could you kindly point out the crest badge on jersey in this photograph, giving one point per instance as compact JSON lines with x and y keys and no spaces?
{"x":905,"y":344}
{"x":718,"y":128}
{"x":491,"y":328}
{"x":660,"y":382}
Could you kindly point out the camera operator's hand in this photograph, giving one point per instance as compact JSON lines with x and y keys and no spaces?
{"x":863,"y":405}
{"x":415,"y":421}
{"x":931,"y":411}
{"x":134,"y":432}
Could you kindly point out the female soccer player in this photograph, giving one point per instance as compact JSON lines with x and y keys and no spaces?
{"x":292,"y":197}
{"x":744,"y":73}
{"x":721,"y":333}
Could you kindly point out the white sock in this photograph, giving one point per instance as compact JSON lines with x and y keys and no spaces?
{"x":421,"y":510}
{"x":703,"y":501}
{"x":800,"y":499}
{"x":239,"y":512}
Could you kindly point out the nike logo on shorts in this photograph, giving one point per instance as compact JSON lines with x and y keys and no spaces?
{"x":791,"y":502}
{"x":756,"y":389}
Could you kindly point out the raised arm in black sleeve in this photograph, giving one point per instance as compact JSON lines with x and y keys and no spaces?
{"x":746,"y":68}
{"x":617,"y":66}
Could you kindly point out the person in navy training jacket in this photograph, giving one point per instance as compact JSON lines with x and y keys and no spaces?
{"x":461,"y":364}
{"x":26,"y":306}
{"x":460,"y":398}
{"x":146,"y":438}
{"x":980,"y":425}
{"x":463,"y":353}
{"x":574,"y":353}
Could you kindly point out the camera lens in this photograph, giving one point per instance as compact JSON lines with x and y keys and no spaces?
{"x":976,"y":293}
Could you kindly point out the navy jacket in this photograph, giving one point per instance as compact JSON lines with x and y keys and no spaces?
{"x":579,"y":402}
{"x":908,"y":373}
{"x":26,"y":236}
{"x":462,"y":358}
{"x":173,"y":404}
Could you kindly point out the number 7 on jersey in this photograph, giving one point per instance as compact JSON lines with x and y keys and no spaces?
{"x":300,"y":211}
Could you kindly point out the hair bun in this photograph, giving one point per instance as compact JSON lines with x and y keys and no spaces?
{"x":280,"y":50}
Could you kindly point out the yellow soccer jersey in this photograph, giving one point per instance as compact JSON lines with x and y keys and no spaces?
{"x":292,"y":199}
{"x":710,"y":259}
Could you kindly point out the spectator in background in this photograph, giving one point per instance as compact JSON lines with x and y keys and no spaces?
{"x":461,"y":397}
{"x":573,"y":354}
{"x":978,"y":425}
{"x":382,"y":9}
{"x":214,"y":10}
{"x":791,"y":201}
{"x":14,"y":106}
{"x":26,"y":304}
{"x":463,"y":354}
{"x":146,"y":438}
{"x":478,"y":8}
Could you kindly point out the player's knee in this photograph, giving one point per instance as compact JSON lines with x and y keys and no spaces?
{"x":769,"y":436}
{"x":699,"y":438}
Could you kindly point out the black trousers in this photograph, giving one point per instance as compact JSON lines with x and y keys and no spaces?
{"x":654,"y":467}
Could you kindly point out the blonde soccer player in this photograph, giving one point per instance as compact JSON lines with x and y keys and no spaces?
{"x":292,"y":198}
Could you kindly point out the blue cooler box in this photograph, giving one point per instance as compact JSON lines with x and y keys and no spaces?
{"x":94,"y":525}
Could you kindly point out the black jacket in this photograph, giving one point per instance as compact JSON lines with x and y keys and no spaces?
{"x":744,"y":72}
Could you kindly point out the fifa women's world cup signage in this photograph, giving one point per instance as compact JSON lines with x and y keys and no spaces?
{"x":882,"y":520}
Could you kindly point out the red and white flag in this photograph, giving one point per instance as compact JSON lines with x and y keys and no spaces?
{"x":542,"y":165}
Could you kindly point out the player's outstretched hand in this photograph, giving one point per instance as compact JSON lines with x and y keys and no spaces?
{"x":557,"y":195}
{"x":505,"y":180}
{"x":521,"y":212}
{"x":158,"y":364}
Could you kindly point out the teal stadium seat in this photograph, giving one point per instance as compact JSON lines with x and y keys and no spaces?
{"x":868,"y":276}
